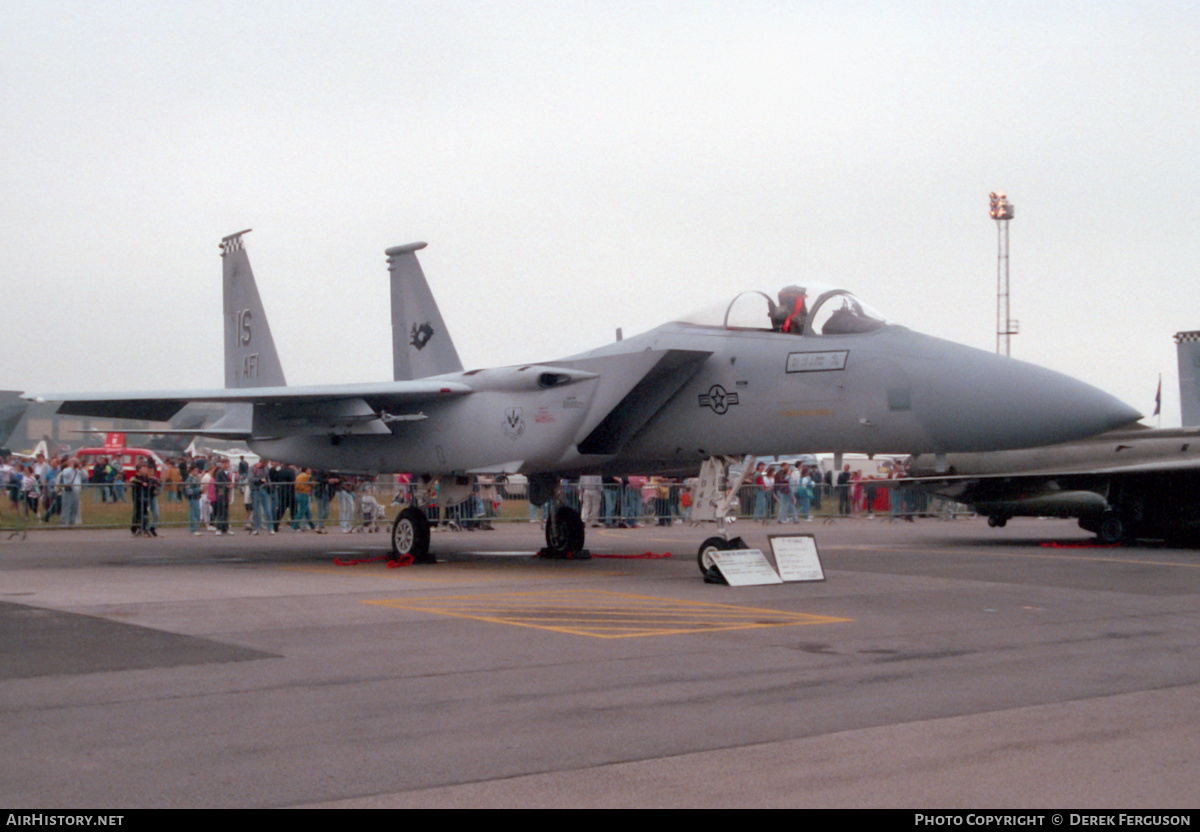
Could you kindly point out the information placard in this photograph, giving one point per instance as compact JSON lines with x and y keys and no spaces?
{"x":746,"y":567}
{"x":797,"y":557}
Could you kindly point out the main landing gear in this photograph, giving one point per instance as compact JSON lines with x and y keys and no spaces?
{"x":1111,"y":528}
{"x":564,"y":534}
{"x":564,"y":526}
{"x":410,"y":536}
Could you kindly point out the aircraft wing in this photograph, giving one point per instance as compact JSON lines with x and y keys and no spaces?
{"x":1137,"y":467}
{"x":1150,"y":467}
{"x":1143,"y":466}
{"x":1137,"y":451}
{"x":160,"y":406}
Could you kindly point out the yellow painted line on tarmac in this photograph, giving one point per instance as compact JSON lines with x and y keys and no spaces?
{"x":604,"y":614}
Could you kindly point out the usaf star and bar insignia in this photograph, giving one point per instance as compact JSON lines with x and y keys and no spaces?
{"x":719,"y":399}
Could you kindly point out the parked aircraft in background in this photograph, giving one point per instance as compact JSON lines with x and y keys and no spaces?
{"x":1137,"y":482}
{"x":234,"y":455}
{"x":812,"y":368}
{"x":42,"y":449}
{"x":12,"y":408}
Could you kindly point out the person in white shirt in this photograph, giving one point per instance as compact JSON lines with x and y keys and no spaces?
{"x":70,"y":480}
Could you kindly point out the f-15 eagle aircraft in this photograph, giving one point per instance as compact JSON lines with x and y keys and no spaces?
{"x":811,"y":368}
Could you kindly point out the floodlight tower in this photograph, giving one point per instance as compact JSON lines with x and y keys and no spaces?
{"x":1006,"y":327}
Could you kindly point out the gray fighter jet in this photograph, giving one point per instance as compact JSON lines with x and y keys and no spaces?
{"x":811,"y":368}
{"x":1134,"y":483}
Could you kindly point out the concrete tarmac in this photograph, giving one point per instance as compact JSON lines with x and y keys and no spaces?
{"x":939,"y":665}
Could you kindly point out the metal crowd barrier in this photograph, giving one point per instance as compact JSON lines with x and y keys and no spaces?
{"x":372,"y":505}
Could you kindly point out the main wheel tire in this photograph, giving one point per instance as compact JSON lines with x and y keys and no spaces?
{"x":1111,"y":530}
{"x":704,"y":557}
{"x":564,"y":536}
{"x":410,"y":536}
{"x":737,"y":543}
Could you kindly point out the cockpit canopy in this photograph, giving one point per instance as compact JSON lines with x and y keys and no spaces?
{"x":813,"y":309}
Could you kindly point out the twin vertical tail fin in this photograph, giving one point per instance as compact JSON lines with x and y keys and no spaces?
{"x":1187,"y":346}
{"x":250,"y":356}
{"x":421,"y":345}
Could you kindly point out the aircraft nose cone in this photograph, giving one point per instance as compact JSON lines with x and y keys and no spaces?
{"x":980,"y":401}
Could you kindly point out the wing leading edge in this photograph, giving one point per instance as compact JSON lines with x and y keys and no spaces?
{"x":160,"y":406}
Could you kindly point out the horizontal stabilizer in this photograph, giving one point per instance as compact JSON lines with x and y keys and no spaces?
{"x":156,"y":410}
{"x":213,"y":433}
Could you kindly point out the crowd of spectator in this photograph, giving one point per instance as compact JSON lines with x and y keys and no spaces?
{"x":263,"y":497}
{"x":213,"y":487}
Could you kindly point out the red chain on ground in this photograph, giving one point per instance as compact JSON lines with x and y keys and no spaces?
{"x":1054,"y":544}
{"x":642,"y":556}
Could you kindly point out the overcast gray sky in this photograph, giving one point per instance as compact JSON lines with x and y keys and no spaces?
{"x":581,"y":166}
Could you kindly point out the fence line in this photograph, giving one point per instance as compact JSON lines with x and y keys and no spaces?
{"x":373,"y":505}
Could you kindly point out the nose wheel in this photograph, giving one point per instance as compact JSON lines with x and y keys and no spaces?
{"x":704,"y":557}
